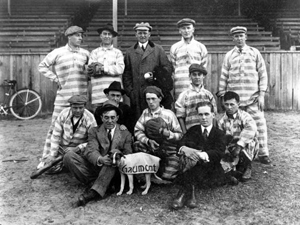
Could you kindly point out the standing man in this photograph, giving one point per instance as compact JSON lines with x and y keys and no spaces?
{"x":244,"y":72}
{"x":69,"y":65}
{"x":184,"y":53}
{"x":141,"y":59}
{"x":201,"y":150}
{"x":114,"y":93}
{"x":106,"y":65}
{"x":93,"y":166}
{"x":70,"y":131}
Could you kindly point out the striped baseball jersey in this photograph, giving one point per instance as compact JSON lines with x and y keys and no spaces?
{"x":69,"y":67}
{"x":187,"y":101}
{"x":63,"y":130}
{"x":244,"y":72}
{"x":243,"y":129}
{"x":182,"y":55}
{"x":167,"y":115}
{"x":113,"y":61}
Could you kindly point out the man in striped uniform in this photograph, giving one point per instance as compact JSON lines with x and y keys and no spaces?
{"x":244,"y":72}
{"x":242,"y":130}
{"x":172,"y":133}
{"x":186,"y":103}
{"x":111,"y":65}
{"x":70,"y":131}
{"x":184,"y":53}
{"x":69,"y":65}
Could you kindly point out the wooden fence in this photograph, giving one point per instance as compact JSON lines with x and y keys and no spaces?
{"x":283,"y":71}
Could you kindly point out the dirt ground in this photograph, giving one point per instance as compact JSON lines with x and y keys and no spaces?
{"x":271,"y":197}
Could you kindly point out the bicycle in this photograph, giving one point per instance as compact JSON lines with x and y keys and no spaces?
{"x":23,"y":104}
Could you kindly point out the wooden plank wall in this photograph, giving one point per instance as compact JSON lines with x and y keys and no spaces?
{"x":283,"y":71}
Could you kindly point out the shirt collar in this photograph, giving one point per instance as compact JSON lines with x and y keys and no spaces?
{"x":109,"y":47}
{"x":207,"y":128}
{"x":236,"y":49}
{"x":76,"y":49}
{"x":234,"y":115}
{"x":192,"y":40}
{"x":156,"y":111}
{"x":143,"y":44}
{"x":112,"y":131}
{"x":193,"y":87}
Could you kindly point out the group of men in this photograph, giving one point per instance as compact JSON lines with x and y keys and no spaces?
{"x":191,"y":142}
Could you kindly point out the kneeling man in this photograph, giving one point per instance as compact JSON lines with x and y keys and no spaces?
{"x":200,"y":150}
{"x":243,"y":144}
{"x":93,"y":166}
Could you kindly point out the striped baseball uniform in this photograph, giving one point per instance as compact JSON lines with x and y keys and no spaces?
{"x":187,"y":101}
{"x":70,"y":75}
{"x":244,"y":72}
{"x":242,"y":128}
{"x":113,"y":61}
{"x":182,"y":55}
{"x":172,"y":166}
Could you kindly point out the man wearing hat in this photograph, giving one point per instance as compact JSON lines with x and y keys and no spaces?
{"x":69,"y":73}
{"x":157,"y":132}
{"x":114,"y":93}
{"x":140,"y":61}
{"x":94,"y":164}
{"x":244,"y":72}
{"x":70,"y":131}
{"x":106,"y":65}
{"x":195,"y":93}
{"x":184,"y":53}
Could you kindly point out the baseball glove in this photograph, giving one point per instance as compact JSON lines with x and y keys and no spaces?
{"x":94,"y":70}
{"x":152,"y":129}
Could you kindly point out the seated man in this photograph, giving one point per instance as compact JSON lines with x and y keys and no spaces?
{"x":70,"y":132}
{"x":94,"y":165}
{"x":114,"y":93}
{"x":241,"y":127}
{"x":200,"y":150}
{"x":169,"y":133}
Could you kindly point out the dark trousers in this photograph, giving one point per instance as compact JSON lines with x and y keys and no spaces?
{"x":86,"y":173}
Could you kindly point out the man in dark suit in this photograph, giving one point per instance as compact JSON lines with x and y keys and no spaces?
{"x":93,"y":165}
{"x":141,"y":60}
{"x":201,"y":150}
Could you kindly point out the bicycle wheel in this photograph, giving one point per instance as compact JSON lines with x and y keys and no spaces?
{"x":25,"y":104}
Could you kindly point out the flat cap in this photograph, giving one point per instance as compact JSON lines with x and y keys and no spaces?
{"x":185,"y":21}
{"x":196,"y":67}
{"x":72,"y":30}
{"x":78,"y":99}
{"x":238,"y":29}
{"x":110,"y":28}
{"x":154,"y":90}
{"x":142,"y":26}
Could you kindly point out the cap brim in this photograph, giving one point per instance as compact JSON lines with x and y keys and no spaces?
{"x":106,"y":90}
{"x":114,"y":33}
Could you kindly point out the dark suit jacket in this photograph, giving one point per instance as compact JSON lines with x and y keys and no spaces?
{"x":137,"y":63}
{"x":214,"y":146}
{"x":98,"y":143}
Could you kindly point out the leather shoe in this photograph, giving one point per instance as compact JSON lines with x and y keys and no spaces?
{"x":86,"y":197}
{"x":247,"y":174}
{"x":192,"y":201}
{"x":232,"y":180}
{"x":178,"y":202}
{"x":265,"y":160}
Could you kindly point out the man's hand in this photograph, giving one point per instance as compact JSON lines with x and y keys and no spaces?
{"x":236,"y":151}
{"x":203,"y":156}
{"x":73,"y":149}
{"x":123,"y":127}
{"x":153,"y":144}
{"x":105,"y":160}
{"x":165,"y":132}
{"x":261,"y":102}
{"x":191,"y":153}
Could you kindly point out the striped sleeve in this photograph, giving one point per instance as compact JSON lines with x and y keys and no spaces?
{"x":57,"y":134}
{"x":45,"y":66}
{"x":249,"y":130}
{"x":224,"y":74}
{"x":180,"y":105}
{"x":139,"y":129}
{"x":262,"y":72}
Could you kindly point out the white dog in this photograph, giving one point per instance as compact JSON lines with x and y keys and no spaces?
{"x":136,"y":163}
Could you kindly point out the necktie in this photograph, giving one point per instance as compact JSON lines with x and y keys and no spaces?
{"x":109,"y":138}
{"x":143,"y":48}
{"x":109,"y":135}
{"x":205,"y":134}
